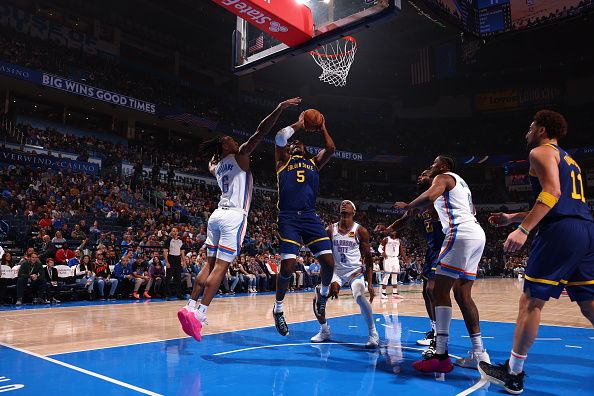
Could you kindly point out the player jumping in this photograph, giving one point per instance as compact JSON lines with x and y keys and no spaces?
{"x":457,"y":263}
{"x":298,"y":178}
{"x":350,"y":242}
{"x":562,"y":252}
{"x":230,"y":164}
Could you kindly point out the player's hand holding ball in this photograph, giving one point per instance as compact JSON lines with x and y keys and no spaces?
{"x":313,"y":120}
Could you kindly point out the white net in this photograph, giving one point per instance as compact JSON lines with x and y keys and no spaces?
{"x":336,"y":59}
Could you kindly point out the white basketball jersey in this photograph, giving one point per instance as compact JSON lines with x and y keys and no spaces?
{"x":235,"y":184}
{"x":345,"y":248}
{"x":392,"y":248}
{"x":455,"y":207}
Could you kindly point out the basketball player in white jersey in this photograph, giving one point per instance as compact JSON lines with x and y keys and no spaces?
{"x":350,"y":243}
{"x":230,"y":164}
{"x":391,"y":247}
{"x":457,"y":263}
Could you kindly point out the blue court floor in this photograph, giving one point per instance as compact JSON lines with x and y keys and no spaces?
{"x":260,"y":362}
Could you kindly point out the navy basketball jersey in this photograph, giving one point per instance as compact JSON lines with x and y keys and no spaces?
{"x":298,"y":185}
{"x":433,"y":233}
{"x":572,"y":202}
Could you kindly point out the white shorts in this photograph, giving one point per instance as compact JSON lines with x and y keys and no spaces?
{"x":342,"y":277}
{"x":461,"y":252}
{"x":392,"y":264}
{"x":225,"y":233}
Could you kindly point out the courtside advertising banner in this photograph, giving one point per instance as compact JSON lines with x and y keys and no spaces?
{"x":286,"y":20}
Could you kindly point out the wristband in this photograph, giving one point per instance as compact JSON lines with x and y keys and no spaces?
{"x":523,"y":230}
{"x":547,"y":199}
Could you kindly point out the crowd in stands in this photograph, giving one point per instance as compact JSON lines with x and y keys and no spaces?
{"x":113,"y":239}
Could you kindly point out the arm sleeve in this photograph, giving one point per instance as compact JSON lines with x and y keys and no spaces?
{"x":283,"y":136}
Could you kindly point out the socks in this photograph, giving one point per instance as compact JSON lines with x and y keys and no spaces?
{"x":278,"y":306}
{"x":516,"y":363}
{"x":192,"y":304}
{"x":324,"y":290}
{"x":443,"y":317}
{"x":477,"y":342}
{"x":325,"y":327}
{"x":202,"y":309}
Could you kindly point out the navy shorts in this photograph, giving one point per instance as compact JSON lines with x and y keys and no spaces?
{"x":562,"y":256}
{"x":302,"y":228}
{"x":430,"y":264}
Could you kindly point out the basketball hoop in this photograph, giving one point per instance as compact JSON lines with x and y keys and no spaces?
{"x":336,"y":59}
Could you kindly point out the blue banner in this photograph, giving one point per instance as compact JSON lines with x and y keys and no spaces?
{"x":22,"y":73}
{"x":47,"y":161}
{"x":77,"y":88}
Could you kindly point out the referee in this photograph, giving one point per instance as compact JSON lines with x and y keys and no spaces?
{"x":173,"y":252}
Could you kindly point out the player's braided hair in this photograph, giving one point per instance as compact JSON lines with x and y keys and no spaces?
{"x":449,"y":161}
{"x":212,"y":148}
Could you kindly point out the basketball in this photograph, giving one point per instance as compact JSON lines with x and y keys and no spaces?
{"x":313,"y":119}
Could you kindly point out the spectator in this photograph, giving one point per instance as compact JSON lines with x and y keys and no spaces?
{"x":124,"y":274}
{"x":84,"y":275}
{"x":157,"y":274}
{"x":5,"y":262}
{"x":186,"y":274}
{"x":58,"y":239}
{"x":64,"y":255}
{"x":314,"y":273}
{"x":78,"y":234}
{"x":237,"y":269}
{"x":31,"y":275}
{"x":51,"y":279}
{"x":141,"y":275}
{"x":103,"y":277}
{"x":260,"y":277}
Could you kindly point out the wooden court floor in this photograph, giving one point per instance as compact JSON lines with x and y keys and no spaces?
{"x":64,"y":329}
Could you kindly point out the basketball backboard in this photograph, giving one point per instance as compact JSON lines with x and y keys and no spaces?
{"x":253,"y":49}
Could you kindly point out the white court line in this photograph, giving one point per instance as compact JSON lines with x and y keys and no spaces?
{"x":548,"y":339}
{"x":182,"y":337}
{"x":417,"y":331}
{"x":353,"y":327}
{"x":592,"y":338}
{"x":388,"y":326}
{"x":473,"y":388}
{"x":84,"y":371}
{"x":312,"y":343}
{"x":573,"y":346}
{"x":483,"y":337}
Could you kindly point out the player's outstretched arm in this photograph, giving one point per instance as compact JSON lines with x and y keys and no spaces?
{"x":441,"y":184}
{"x":327,"y":152}
{"x":545,"y":162}
{"x":365,"y":250}
{"x":246,"y":149}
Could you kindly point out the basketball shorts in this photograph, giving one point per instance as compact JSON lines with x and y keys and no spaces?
{"x":461,"y":251}
{"x":562,"y":256}
{"x":430,"y":265}
{"x":225,"y":232}
{"x":392,"y":265}
{"x":302,"y":228}
{"x":344,"y":277}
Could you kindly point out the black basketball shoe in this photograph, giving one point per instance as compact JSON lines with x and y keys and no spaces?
{"x":280,"y":323}
{"x":499,"y":375}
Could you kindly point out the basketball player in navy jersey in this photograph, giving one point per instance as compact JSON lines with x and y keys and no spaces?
{"x":299,"y":224}
{"x":562,"y":252}
{"x":434,"y":238}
